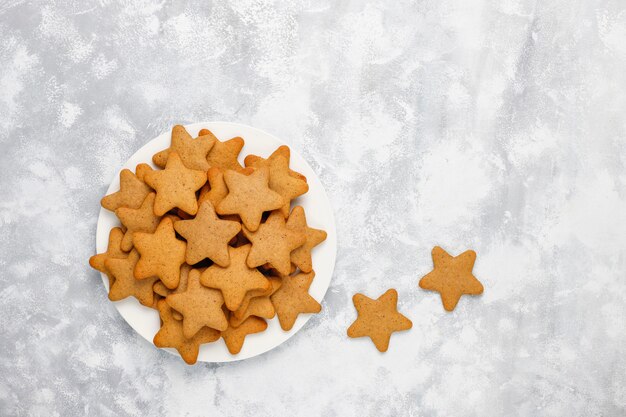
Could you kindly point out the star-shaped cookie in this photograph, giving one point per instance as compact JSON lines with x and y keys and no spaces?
{"x":216,"y":189}
{"x":273,"y":242}
{"x":257,"y":306}
{"x":125,"y":283}
{"x":199,"y":305}
{"x":288,"y":186}
{"x":378,"y":319}
{"x":171,"y":335}
{"x":284,"y":151}
{"x":161,"y":254}
{"x":224,"y":154}
{"x":292,"y":299}
{"x":114,"y":250}
{"x":235,"y":336}
{"x":249,"y":196}
{"x":236,"y":279}
{"x":301,"y":256}
{"x":175,"y":186}
{"x":141,"y":219}
{"x":131,"y":194}
{"x":192,"y":152}
{"x":207,"y":236}
{"x":452,"y":277}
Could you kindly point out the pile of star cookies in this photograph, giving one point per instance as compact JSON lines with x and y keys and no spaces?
{"x":215,"y":247}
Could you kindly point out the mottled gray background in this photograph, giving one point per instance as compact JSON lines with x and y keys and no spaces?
{"x":494,"y":125}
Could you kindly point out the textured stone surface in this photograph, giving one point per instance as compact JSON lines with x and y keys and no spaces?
{"x":496,"y":125}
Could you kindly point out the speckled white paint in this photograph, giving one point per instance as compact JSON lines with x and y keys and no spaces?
{"x":495,"y":125}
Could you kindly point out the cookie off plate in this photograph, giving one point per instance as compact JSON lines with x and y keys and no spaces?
{"x":318,"y":212}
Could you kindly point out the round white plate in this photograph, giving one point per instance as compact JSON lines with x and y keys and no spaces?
{"x":319,"y":215}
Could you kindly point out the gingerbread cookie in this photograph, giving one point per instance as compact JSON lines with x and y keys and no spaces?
{"x":161,"y":254}
{"x":452,"y":277}
{"x":301,"y":256}
{"x":224,"y":154}
{"x":132,"y":192}
{"x":141,"y":170}
{"x":257,"y":306}
{"x":281,"y":151}
{"x":207,"y":236}
{"x":288,"y":186}
{"x":163,"y":291}
{"x":273,"y":242}
{"x":175,"y":186}
{"x":142,"y":219}
{"x":125,"y":284}
{"x":171,"y":335}
{"x":236,"y":279}
{"x":192,"y":152}
{"x":378,"y":318}
{"x":249,"y":196}
{"x":114,"y":250}
{"x":199,"y":305}
{"x":292,"y":299}
{"x":235,"y":336}
{"x":216,"y":189}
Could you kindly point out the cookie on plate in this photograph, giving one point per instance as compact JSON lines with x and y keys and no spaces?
{"x":273,"y":242}
{"x":171,"y":335}
{"x":161,"y":254}
{"x":125,"y":284}
{"x":301,"y":256}
{"x":249,"y":196}
{"x":293,"y":299}
{"x":114,"y":250}
{"x":141,"y":219}
{"x":235,"y":280}
{"x":175,"y":186}
{"x":131,"y":194}
{"x":235,"y":336}
{"x":207,"y":236}
{"x":192,"y":152}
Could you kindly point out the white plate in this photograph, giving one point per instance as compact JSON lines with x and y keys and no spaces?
{"x":319,"y":215}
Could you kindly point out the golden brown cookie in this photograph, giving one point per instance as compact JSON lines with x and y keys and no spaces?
{"x":163,"y":291}
{"x":114,"y":250}
{"x":258,"y":306}
{"x":171,"y":335}
{"x":216,"y":189}
{"x":292,"y":299}
{"x":378,"y":319}
{"x":288,"y":186}
{"x":161,"y":254}
{"x":141,"y":170}
{"x":207,"y":236}
{"x":141,"y":219}
{"x":132,"y":192}
{"x":125,"y":283}
{"x":301,"y":256}
{"x":236,"y":279}
{"x":249,"y":196}
{"x":175,"y":186}
{"x":224,"y":154}
{"x":192,"y":152}
{"x":452,"y":277}
{"x":273,"y":243}
{"x":199,"y":305}
{"x":235,"y":336}
{"x":284,"y":151}
{"x":254,"y":293}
